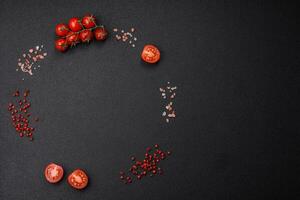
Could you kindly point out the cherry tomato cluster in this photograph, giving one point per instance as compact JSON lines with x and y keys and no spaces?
{"x":78,"y":30}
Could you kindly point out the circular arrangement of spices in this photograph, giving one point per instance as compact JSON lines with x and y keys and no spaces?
{"x":84,"y":30}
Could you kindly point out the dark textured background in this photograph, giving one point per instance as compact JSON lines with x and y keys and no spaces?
{"x":236,"y":133}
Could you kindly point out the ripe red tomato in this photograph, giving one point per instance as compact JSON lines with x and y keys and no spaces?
{"x":53,"y":173}
{"x":86,"y":35}
{"x":150,"y":54}
{"x":72,"y":38}
{"x":78,"y":179}
{"x":75,"y":24}
{"x":61,"y":30}
{"x":89,"y":21}
{"x":100,"y":34}
{"x":61,"y":45}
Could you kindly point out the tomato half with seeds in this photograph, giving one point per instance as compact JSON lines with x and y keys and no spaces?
{"x":53,"y":173}
{"x":78,"y":179}
{"x":150,"y":54}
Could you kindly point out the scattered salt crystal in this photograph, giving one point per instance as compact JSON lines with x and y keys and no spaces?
{"x":125,"y":36}
{"x":27,"y":63}
{"x":166,"y":93}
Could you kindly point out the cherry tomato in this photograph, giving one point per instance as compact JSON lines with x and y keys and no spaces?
{"x":150,"y":54}
{"x":61,"y":30}
{"x":75,"y":24}
{"x":78,"y":179}
{"x":100,"y":34}
{"x":86,"y":35}
{"x":53,"y":173}
{"x":89,"y":21}
{"x":72,"y":38}
{"x":61,"y":45}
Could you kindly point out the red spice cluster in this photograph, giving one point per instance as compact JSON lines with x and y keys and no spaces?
{"x":147,"y":166}
{"x":20,"y":115}
{"x":78,"y":30}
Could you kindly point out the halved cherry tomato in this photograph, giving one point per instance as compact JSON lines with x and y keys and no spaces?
{"x":53,"y":173}
{"x":150,"y":54}
{"x":78,"y":179}
{"x":75,"y":24}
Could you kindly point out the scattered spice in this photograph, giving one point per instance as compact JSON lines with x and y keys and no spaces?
{"x":20,"y":114}
{"x":126,"y":37}
{"x":26,"y":63}
{"x":147,"y":166}
{"x":168,"y":94}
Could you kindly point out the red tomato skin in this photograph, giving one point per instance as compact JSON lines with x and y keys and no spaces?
{"x":77,"y":172}
{"x":61,"y":45}
{"x":100,"y":34}
{"x":75,"y":24}
{"x":60,"y":175}
{"x":86,"y":35}
{"x":61,"y":30}
{"x":150,"y":54}
{"x":89,"y":21}
{"x":72,"y":38}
